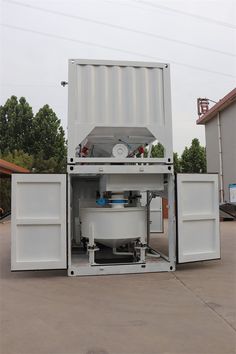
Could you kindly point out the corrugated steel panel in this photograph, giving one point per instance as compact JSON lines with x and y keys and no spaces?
{"x":116,"y":95}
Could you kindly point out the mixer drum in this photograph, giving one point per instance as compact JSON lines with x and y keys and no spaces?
{"x":113,"y":227}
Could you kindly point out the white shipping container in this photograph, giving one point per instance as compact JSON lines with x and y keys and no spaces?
{"x":90,"y":221}
{"x":117,"y":99}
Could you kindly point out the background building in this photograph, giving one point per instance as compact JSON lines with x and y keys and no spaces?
{"x":220,"y":129}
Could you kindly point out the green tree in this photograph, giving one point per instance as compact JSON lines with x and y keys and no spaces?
{"x":158,"y":150}
{"x":177,"y":167}
{"x":49,"y":136}
{"x":16,"y":120}
{"x":193,"y":159}
{"x":185,"y":163}
{"x":41,"y":136}
{"x":51,"y":165}
{"x":19,"y":158}
{"x":5,"y":193}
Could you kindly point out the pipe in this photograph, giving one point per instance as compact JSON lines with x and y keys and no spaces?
{"x":148,"y":216}
{"x":162,"y":255}
{"x":157,"y":255}
{"x":149,"y":151}
{"x":220,"y":159}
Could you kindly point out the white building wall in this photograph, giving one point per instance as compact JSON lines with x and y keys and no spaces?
{"x":228,"y":134}
{"x":212,"y":146}
{"x":228,"y":144}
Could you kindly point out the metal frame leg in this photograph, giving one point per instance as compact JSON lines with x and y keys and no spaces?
{"x":171,"y":221}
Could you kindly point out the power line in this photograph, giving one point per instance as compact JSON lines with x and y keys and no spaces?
{"x":128,"y":29}
{"x":181,"y":12}
{"x":93,"y":44}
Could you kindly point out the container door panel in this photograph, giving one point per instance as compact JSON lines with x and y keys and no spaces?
{"x":198,"y":236}
{"x":38,"y":230}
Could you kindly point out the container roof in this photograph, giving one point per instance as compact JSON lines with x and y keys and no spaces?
{"x":219,"y":106}
{"x":7,"y":168}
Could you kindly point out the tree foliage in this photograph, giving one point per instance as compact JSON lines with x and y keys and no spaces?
{"x":157,"y":150}
{"x":5,"y":194}
{"x":49,"y":137}
{"x":51,"y":165}
{"x":19,"y":158}
{"x":34,"y":142}
{"x":16,"y":120}
{"x":193,"y":159}
{"x":41,"y":136}
{"x":177,"y":166}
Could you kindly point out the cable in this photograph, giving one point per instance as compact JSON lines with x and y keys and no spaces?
{"x":128,"y":29}
{"x":199,"y":17}
{"x":112,"y":48}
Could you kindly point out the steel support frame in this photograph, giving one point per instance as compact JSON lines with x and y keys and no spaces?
{"x":139,"y":168}
{"x":165,"y":263}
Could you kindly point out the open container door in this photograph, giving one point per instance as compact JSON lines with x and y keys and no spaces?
{"x":38,"y":226}
{"x":198,"y":236}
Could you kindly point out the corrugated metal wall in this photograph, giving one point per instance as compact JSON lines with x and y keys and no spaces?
{"x":119,"y":95}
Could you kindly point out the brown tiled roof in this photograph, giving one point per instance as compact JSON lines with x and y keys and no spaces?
{"x":219,"y":106}
{"x":7,"y":168}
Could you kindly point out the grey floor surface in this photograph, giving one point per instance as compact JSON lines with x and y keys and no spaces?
{"x":191,"y":311}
